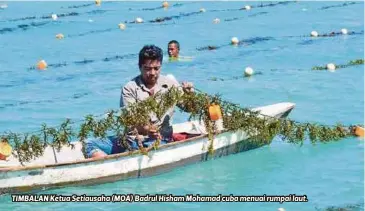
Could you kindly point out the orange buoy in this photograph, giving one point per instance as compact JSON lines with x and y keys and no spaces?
{"x":359,"y":131}
{"x":5,"y":150}
{"x":42,"y":65}
{"x":215,"y":112}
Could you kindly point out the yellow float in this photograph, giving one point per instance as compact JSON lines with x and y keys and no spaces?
{"x":215,"y":112}
{"x":5,"y":150}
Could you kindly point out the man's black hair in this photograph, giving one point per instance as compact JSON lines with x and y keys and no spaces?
{"x":150,"y":52}
{"x":176,"y":43}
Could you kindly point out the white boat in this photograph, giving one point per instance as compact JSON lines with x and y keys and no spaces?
{"x":69,"y":167}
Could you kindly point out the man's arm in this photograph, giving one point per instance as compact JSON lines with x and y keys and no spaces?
{"x":127,"y":97}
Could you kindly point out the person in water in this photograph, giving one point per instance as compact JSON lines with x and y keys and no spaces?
{"x":146,"y":84}
{"x":173,"y":49}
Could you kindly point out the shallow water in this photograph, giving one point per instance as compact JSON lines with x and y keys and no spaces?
{"x":330,"y":174}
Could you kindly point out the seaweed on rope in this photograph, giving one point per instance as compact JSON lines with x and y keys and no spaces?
{"x":240,"y":18}
{"x":349,"y":64}
{"x":330,"y":34}
{"x":23,"y":27}
{"x":162,"y":19}
{"x":261,"y":128}
{"x":261,"y":5}
{"x":347,"y":207}
{"x":159,"y":7}
{"x":53,"y":100}
{"x":120,"y":57}
{"x":41,"y":23}
{"x":88,"y":61}
{"x":169,"y":18}
{"x":33,"y":24}
{"x":244,"y":42}
{"x":59,"y":15}
{"x":43,"y":17}
{"x":97,"y":11}
{"x":92,"y":32}
{"x":338,"y":5}
{"x":233,"y":78}
{"x":156,"y":20}
{"x":80,"y":6}
{"x":333,"y":34}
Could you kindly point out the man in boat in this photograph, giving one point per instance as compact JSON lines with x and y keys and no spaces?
{"x":146,"y":84}
{"x":173,"y":49}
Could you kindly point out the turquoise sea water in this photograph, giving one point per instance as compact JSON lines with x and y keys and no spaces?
{"x":330,"y":174}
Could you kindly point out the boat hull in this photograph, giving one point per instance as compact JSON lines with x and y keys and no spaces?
{"x":72,"y":176}
{"x":126,"y":165}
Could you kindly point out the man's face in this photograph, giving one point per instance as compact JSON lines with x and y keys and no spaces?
{"x":173,"y":50}
{"x":150,"y":71}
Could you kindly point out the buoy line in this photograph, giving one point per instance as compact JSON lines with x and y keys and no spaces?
{"x":55,"y":16}
{"x":53,"y":100}
{"x":161,"y":19}
{"x":138,"y":20}
{"x":96,"y":11}
{"x":235,"y":41}
{"x":158,"y":8}
{"x":338,"y":5}
{"x":333,"y":34}
{"x":249,"y":7}
{"x":346,"y":207}
{"x":92,"y":32}
{"x":248,"y":72}
{"x":240,"y":18}
{"x":85,"y":5}
{"x":332,"y":66}
{"x":23,"y":27}
{"x":48,"y":16}
{"x":340,"y":32}
{"x":88,"y":61}
{"x":79,"y":6}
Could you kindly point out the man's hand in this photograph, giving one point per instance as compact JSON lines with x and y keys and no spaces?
{"x":154,"y":133}
{"x":150,"y":130}
{"x":188,"y":87}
